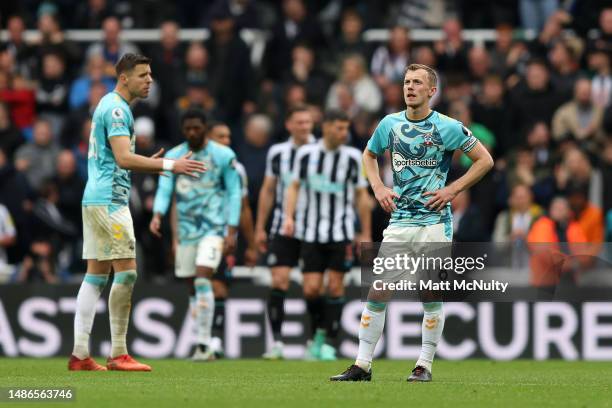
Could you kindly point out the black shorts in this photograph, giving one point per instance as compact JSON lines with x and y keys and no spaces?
{"x":337,"y":256}
{"x":223,"y":272}
{"x":283,"y":251}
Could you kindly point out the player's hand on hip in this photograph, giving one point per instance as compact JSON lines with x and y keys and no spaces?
{"x":439,"y":198}
{"x":229,"y":244}
{"x":385,"y":197}
{"x":250,"y":256}
{"x":288,"y":228}
{"x":185,"y":165}
{"x":155,"y":226}
{"x":261,"y":241}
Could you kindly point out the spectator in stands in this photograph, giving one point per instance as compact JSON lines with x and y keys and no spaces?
{"x":536,"y":99}
{"x":294,"y":27}
{"x":197,"y":95}
{"x":8,"y":238}
{"x":52,"y":40}
{"x":460,"y":110}
{"x":362,"y":86}
{"x":304,"y":71}
{"x":19,"y":49}
{"x":500,"y":52}
{"x":168,"y":62}
{"x":70,"y":187}
{"x":523,"y":170}
{"x":589,"y":217}
{"x":111,"y":47}
{"x":390,"y":60}
{"x":52,"y":234}
{"x":81,"y":148}
{"x":80,"y":89}
{"x":349,"y":41}
{"x":52,"y":91}
{"x":18,"y":94}
{"x":451,"y":52}
{"x":393,"y":98}
{"x":539,"y":141}
{"x":10,"y":137}
{"x":576,"y":167}
{"x":71,"y":133}
{"x":244,"y":12}
{"x":550,"y":258}
{"x":91,"y":14}
{"x":606,"y":159}
{"x":602,"y":39}
{"x":232,"y":82}
{"x":599,"y":63}
{"x":252,"y":153}
{"x":580,"y":119}
{"x":490,"y":107}
{"x":564,"y":60}
{"x":467,"y":222}
{"x":479,"y":63}
{"x":37,"y":159}
{"x":513,"y":224}
{"x":196,"y":62}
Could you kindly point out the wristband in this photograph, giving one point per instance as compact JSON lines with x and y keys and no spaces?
{"x":167,"y":164}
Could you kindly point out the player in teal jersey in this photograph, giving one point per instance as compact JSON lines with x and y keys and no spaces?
{"x":421,"y":143}
{"x":207,"y":213}
{"x":108,"y":232}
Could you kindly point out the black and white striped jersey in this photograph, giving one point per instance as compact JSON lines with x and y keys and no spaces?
{"x":279,"y":164}
{"x":328,"y":179}
{"x":244,"y":180}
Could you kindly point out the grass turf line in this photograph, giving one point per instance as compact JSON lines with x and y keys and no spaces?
{"x":256,"y":383}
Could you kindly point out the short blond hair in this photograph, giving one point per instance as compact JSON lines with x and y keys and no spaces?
{"x":432,"y":77}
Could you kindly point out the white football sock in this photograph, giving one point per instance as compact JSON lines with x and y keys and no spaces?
{"x":433,"y":324}
{"x":205,"y":307}
{"x":87,"y":299}
{"x":370,"y":329}
{"x":119,"y":307}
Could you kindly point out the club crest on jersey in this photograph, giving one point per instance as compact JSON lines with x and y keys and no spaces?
{"x":427,"y":140}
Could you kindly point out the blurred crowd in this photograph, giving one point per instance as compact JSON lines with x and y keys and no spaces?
{"x":542,"y":106}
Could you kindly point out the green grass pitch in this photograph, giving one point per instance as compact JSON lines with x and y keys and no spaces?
{"x":256,"y":383}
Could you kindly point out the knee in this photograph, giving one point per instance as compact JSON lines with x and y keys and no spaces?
{"x":335,"y":288}
{"x":311,"y":290}
{"x":280,"y":280}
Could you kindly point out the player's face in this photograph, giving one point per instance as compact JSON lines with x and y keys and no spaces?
{"x":300,"y":125}
{"x":194,"y":131}
{"x":139,"y":80}
{"x":417,"y":90}
{"x":221,"y":134}
{"x":337,"y":132}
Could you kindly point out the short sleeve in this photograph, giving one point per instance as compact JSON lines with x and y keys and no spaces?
{"x":117,"y":122}
{"x":379,"y":142}
{"x":273,"y":163}
{"x":460,"y":137}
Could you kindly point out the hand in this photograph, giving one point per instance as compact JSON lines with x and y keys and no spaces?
{"x":385,"y":197}
{"x":261,"y":241}
{"x":229,"y":244}
{"x":359,"y":239}
{"x":155,"y":226}
{"x":288,"y":228}
{"x":439,"y":198}
{"x":189,"y":167}
{"x":250,"y":256}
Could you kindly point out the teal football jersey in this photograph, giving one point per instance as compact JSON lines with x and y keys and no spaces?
{"x":421,"y":153}
{"x":107,"y":183}
{"x":207,"y":204}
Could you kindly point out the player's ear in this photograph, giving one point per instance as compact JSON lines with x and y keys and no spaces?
{"x":432,"y":91}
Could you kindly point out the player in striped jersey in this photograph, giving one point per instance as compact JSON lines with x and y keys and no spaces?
{"x":283,"y":251}
{"x":220,"y":133}
{"x":329,"y":176}
{"x":421,"y":143}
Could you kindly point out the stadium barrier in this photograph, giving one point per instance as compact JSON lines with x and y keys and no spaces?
{"x":37,"y":320}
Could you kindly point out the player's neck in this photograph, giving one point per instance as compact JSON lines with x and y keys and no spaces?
{"x":328,"y":145}
{"x":124,"y":94}
{"x":417,"y":113}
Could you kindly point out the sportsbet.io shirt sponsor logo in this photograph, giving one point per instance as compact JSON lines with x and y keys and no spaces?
{"x":399,"y":162}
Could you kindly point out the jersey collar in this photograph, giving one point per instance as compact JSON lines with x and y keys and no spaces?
{"x":417,"y":121}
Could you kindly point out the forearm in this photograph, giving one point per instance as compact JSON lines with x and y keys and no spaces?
{"x":143,"y":164}
{"x":477,"y":170}
{"x":264,"y":207}
{"x":365,"y":212}
{"x":174,"y":221}
{"x":370,"y":165}
{"x":246,"y":223}
{"x":292,"y":193}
